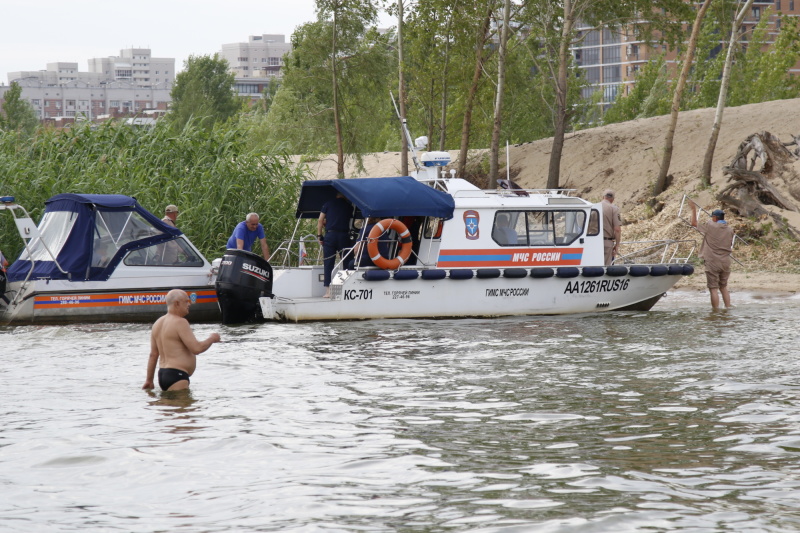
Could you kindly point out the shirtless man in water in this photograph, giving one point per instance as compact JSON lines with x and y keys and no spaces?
{"x":173,"y":340}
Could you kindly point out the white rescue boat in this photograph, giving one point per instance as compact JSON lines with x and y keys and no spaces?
{"x":460,"y":251}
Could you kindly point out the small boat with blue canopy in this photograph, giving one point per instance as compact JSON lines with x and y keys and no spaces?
{"x":96,"y":257}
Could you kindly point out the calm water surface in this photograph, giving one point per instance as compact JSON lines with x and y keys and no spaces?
{"x":679,"y":419}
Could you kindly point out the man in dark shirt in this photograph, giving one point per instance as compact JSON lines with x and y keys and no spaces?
{"x":335,"y":217}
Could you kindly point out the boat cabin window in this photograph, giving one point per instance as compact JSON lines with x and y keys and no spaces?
{"x":54,"y":229}
{"x":538,"y":227}
{"x":506,"y":227}
{"x":594,"y":223}
{"x":171,"y":253}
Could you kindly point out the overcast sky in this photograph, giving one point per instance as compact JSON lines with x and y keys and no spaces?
{"x":45,"y":31}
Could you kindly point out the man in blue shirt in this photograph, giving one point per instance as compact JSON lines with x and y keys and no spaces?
{"x":335,"y":217}
{"x":246,"y":233}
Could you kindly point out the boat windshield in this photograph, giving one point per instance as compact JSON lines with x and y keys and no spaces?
{"x":54,"y":229}
{"x":114,"y":229}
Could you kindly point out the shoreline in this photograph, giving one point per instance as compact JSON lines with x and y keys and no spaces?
{"x":759,"y":282}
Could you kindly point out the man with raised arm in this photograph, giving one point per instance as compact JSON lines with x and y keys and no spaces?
{"x":173,"y":345}
{"x":716,"y":253}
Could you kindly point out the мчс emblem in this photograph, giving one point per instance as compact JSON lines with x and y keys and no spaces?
{"x":471,"y":224}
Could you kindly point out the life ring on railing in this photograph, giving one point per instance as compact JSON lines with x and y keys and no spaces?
{"x":405,"y":244}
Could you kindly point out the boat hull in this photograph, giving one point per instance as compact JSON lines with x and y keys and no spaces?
{"x":355,"y":298}
{"x":112,"y":305}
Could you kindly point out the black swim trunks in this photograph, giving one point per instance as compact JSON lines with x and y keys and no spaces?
{"x":167,"y":377}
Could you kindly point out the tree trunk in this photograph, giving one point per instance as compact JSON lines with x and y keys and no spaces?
{"x":723,"y":94}
{"x":336,"y":120}
{"x":473,"y":90}
{"x":554,"y":171}
{"x":401,"y":90}
{"x":498,"y":104}
{"x":443,"y":115}
{"x":661,"y":182}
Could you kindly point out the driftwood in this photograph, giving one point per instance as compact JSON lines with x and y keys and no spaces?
{"x":796,"y":143}
{"x":749,"y":191}
{"x":755,"y":185}
{"x":748,"y":206}
{"x":765,"y":147}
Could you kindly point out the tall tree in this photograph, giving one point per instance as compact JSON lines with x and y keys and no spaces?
{"x":763,"y":72}
{"x":553,"y":24}
{"x":401,"y":91}
{"x":648,"y":98}
{"x":482,"y":37}
{"x":428,"y":48}
{"x":18,"y":114}
{"x":661,"y":182}
{"x":203,"y":92}
{"x":348,"y":20}
{"x":498,"y":106}
{"x":304,"y":113}
{"x":708,"y":160}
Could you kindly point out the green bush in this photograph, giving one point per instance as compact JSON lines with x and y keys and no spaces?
{"x":214,"y":176}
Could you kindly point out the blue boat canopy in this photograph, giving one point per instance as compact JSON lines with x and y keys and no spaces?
{"x":88,"y":234}
{"x":377,"y":197}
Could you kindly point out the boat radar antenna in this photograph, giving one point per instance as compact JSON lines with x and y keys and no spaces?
{"x":407,"y":134}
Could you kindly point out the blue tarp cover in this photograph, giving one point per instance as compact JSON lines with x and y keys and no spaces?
{"x":377,"y":197}
{"x":75,"y":257}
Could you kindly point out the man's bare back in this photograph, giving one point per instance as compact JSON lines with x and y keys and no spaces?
{"x":174,"y":346}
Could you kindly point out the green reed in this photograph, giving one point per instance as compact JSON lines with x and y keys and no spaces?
{"x":214,"y":177}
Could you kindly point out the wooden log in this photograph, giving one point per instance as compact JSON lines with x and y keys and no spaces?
{"x":746,"y":205}
{"x":757,"y":185}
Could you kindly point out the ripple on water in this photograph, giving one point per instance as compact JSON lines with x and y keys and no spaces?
{"x":676,"y":419}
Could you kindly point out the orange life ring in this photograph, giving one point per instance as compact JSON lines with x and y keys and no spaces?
{"x":405,"y":244}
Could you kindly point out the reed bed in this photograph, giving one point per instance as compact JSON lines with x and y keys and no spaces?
{"x":214,"y":177}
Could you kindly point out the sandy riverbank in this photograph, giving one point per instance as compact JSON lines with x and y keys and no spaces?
{"x":626,"y":157}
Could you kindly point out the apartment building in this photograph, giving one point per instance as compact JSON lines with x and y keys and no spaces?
{"x":610,"y":57}
{"x":134,"y":65}
{"x":113,"y":87}
{"x":61,"y":104}
{"x":256,"y":62}
{"x":260,"y":57}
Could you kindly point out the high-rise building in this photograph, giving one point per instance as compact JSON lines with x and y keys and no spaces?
{"x":610,"y":57}
{"x":260,"y":57}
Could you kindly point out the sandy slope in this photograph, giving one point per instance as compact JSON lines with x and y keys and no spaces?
{"x":626,"y":157}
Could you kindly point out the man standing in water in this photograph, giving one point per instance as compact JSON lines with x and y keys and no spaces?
{"x":173,"y":340}
{"x":716,"y":252}
{"x":612,"y":227}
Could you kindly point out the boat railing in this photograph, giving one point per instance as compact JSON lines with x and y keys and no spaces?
{"x":29,"y":232}
{"x":297,"y":252}
{"x":655,"y":252}
{"x":548,"y":193}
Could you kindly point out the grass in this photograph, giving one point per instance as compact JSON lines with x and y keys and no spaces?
{"x":214,"y":177}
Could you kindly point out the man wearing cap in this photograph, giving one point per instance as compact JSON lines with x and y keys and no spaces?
{"x":716,"y":253}
{"x":170,"y":214}
{"x":612,"y":226}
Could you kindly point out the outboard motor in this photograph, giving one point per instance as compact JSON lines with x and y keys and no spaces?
{"x":243,"y":278}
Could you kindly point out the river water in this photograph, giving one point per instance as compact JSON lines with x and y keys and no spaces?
{"x":678,"y":419}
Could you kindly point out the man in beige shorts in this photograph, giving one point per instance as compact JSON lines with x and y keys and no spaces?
{"x":716,"y":252}
{"x":173,"y":342}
